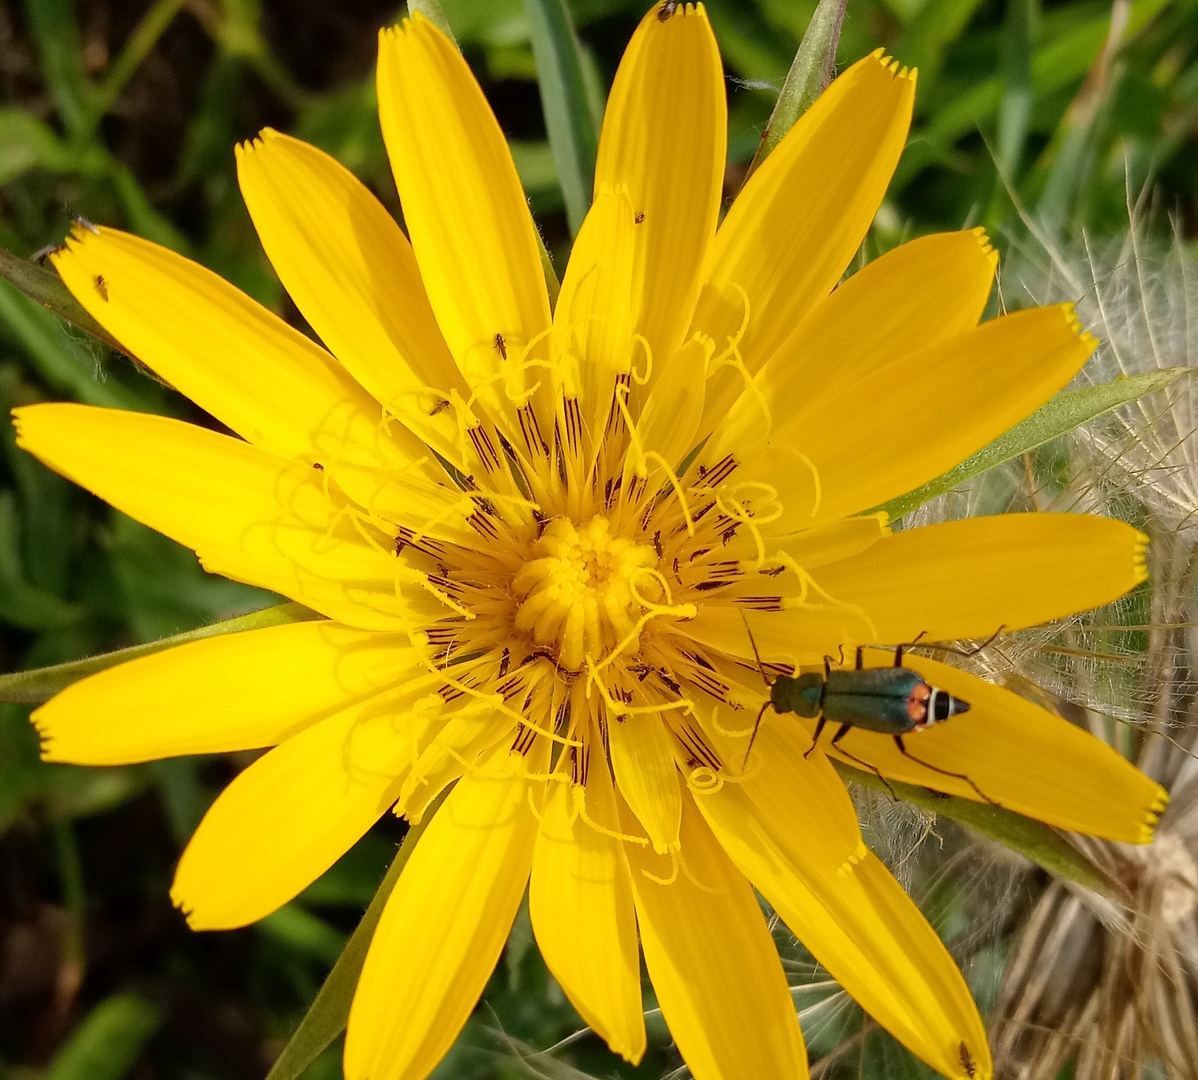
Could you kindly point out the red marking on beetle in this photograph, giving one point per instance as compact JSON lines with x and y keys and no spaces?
{"x":917,"y":703}
{"x":501,"y":346}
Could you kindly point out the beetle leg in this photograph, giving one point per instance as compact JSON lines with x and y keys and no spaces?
{"x":819,"y":726}
{"x":844,"y":730}
{"x":988,"y":642}
{"x":898,"y":741}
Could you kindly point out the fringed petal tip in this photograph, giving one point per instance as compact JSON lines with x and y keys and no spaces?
{"x":1138,"y":559}
{"x":244,"y":149}
{"x":671,"y":9}
{"x":186,"y":909}
{"x":894,"y":67}
{"x":988,"y":248}
{"x":46,"y":737}
{"x":1148,"y":828}
{"x":1074,"y":322}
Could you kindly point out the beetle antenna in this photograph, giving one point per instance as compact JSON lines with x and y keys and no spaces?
{"x":756,"y":656}
{"x":753,"y":737}
{"x":768,"y":682}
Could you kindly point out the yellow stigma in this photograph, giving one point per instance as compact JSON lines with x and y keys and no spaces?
{"x":580,"y":591}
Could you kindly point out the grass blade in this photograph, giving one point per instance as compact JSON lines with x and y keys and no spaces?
{"x":1061,"y":415}
{"x":55,"y":33}
{"x":108,"y":1042}
{"x":809,"y":75}
{"x":41,"y":684}
{"x":329,"y":1014}
{"x":568,"y":118}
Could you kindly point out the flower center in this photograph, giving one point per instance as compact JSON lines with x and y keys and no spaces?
{"x":584,"y":590}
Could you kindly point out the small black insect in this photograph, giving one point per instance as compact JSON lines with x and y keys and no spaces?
{"x":102,"y":287}
{"x":440,"y":407}
{"x":501,"y":346}
{"x":967,"y":1062}
{"x":640,"y":217}
{"x":667,"y":10}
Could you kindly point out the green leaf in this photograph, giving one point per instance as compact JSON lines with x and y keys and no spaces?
{"x":329,"y":1014}
{"x":27,"y":143}
{"x":1061,"y":415}
{"x":37,"y":686}
{"x":21,"y":603}
{"x":304,"y":933}
{"x":568,"y":117}
{"x":56,"y":35}
{"x":107,"y":1044}
{"x":47,"y":289}
{"x":809,"y":75}
{"x":1038,"y":842}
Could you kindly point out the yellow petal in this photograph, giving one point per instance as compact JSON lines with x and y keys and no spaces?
{"x":349,"y":582}
{"x":793,"y":636}
{"x":835,"y":541}
{"x":1019,"y":755}
{"x":665,"y":137}
{"x":288,"y":817}
{"x":250,"y":515}
{"x":666,"y":430}
{"x":920,"y":293}
{"x":193,"y":485}
{"x":871,"y":937}
{"x":713,"y":963}
{"x":783,"y":785}
{"x":226,"y":352}
{"x":793,"y":229}
{"x":903,"y":424}
{"x":592,"y":321}
{"x":351,"y":272}
{"x":969,"y":578}
{"x":467,"y":217}
{"x":642,"y":758}
{"x":470,"y":736}
{"x":443,"y":927}
{"x":233,"y":692}
{"x":580,"y":901}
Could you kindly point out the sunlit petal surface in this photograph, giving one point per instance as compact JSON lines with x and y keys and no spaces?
{"x":601,"y":570}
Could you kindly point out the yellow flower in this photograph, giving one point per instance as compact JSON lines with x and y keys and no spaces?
{"x":519,"y":592}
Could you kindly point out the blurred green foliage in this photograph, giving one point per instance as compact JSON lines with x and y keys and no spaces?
{"x":126,"y":112}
